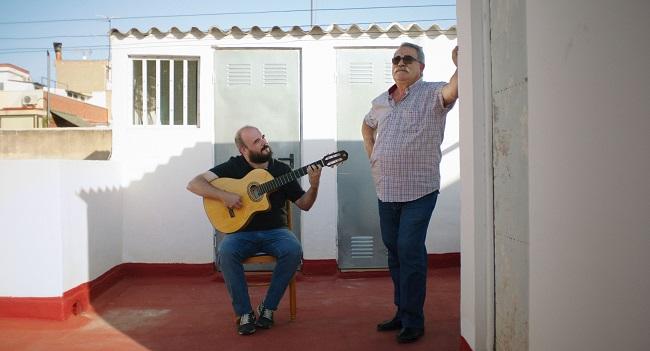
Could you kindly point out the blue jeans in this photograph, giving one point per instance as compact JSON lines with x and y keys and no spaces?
{"x":234,"y":248}
{"x":403,"y":230}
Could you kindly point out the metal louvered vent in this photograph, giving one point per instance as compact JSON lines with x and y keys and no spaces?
{"x":361,"y":247}
{"x":275,"y":74}
{"x":361,"y":73}
{"x":388,"y":73}
{"x":238,"y":74}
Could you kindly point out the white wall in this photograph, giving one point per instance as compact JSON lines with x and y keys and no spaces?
{"x":14,"y":98}
{"x":30,"y":229}
{"x":10,"y":85}
{"x":91,"y":214}
{"x":444,"y":229}
{"x":98,"y":98}
{"x":589,"y":133}
{"x":319,"y":139}
{"x":162,"y":221}
{"x":60,"y":225}
{"x":588,"y":164}
{"x":10,"y":73}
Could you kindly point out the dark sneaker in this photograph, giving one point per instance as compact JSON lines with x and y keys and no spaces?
{"x":266,"y":317}
{"x":246,"y":324}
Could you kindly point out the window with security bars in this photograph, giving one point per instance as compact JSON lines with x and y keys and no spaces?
{"x":165,"y":91}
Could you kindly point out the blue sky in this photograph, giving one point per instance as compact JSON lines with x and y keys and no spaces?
{"x":29,"y":27}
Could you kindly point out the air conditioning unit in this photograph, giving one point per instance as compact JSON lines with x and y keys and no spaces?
{"x":30,"y":99}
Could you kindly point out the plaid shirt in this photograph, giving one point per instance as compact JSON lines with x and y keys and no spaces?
{"x":405,"y":160}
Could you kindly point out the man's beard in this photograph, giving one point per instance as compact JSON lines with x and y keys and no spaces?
{"x":259,"y":157}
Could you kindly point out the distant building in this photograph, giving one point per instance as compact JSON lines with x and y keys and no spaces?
{"x":85,"y":80}
{"x":84,"y":76}
{"x":21,"y":100}
{"x":80,"y":101}
{"x":13,"y":77}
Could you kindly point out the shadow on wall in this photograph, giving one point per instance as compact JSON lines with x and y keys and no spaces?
{"x":153,"y":219}
{"x":98,"y":155}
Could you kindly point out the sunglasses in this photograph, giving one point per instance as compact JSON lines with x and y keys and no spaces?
{"x":408,"y":59}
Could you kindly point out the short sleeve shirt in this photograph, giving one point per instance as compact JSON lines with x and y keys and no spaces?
{"x":276,"y":217}
{"x":405,"y":160}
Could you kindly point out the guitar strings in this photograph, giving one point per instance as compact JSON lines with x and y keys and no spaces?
{"x":275,"y":183}
{"x":285,"y":178}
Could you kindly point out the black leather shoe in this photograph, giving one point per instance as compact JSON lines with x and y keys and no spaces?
{"x":407,"y":335}
{"x":392,"y":324}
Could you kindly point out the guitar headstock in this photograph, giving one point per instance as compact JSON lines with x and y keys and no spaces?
{"x":333,"y":159}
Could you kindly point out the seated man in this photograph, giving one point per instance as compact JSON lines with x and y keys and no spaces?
{"x":266,"y":231}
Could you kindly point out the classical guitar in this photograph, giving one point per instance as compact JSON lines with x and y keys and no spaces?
{"x":254,"y":189}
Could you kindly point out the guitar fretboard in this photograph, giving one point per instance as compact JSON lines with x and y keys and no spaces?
{"x":272,"y":185}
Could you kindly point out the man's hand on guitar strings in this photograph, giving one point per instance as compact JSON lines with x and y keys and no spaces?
{"x":232,"y":200}
{"x":314,"y":175}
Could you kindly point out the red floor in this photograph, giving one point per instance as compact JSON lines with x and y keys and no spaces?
{"x":194,"y":313}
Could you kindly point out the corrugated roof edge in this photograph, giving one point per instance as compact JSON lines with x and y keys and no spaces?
{"x":412,"y":29}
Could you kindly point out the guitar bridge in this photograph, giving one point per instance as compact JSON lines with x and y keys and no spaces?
{"x":231,"y":212}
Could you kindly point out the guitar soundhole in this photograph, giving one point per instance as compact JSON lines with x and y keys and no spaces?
{"x":254,"y":192}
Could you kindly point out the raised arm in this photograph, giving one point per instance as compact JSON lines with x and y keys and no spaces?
{"x":450,"y":90}
{"x":200,"y":185}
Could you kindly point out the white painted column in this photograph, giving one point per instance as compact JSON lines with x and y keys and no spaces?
{"x":477,"y":261}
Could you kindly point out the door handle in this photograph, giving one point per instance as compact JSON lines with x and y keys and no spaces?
{"x":290,"y":159}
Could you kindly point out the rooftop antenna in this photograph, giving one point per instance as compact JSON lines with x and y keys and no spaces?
{"x":109,"y":74}
{"x":86,"y":54}
{"x":108,"y":34}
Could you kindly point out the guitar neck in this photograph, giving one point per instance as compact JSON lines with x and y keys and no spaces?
{"x":274,"y":184}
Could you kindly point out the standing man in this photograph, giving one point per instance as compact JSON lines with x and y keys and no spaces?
{"x":402,"y":134}
{"x":266,"y":231}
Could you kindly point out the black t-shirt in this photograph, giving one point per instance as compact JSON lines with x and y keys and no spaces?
{"x":276,"y":217}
